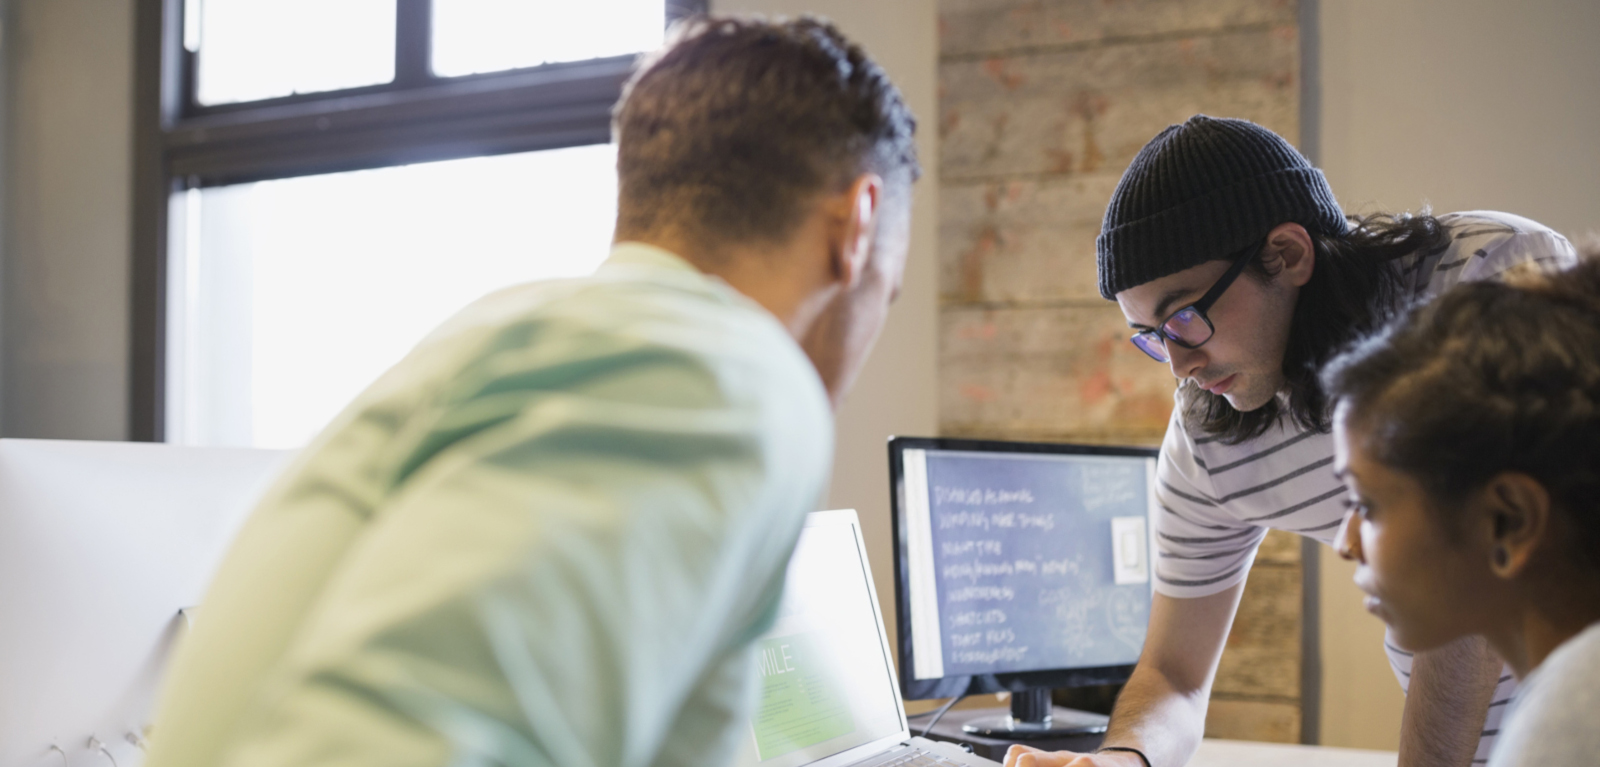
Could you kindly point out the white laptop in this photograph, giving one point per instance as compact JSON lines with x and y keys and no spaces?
{"x":828,"y":692}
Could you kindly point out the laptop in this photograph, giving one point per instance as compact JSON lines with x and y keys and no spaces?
{"x":828,"y":694}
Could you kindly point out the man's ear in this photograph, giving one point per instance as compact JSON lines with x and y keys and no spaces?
{"x":1515,"y":510}
{"x":1291,"y":243}
{"x":860,"y":224}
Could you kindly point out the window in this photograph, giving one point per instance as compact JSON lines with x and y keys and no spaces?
{"x":320,"y":184}
{"x":475,"y":36}
{"x":255,"y":50}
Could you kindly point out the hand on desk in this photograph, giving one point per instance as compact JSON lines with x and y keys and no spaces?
{"x":1024,"y":756}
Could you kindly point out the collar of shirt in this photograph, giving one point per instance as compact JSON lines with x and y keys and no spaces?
{"x":633,"y":254}
{"x":664,"y":265}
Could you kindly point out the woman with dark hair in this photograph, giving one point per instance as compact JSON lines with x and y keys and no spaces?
{"x":1468,"y":433}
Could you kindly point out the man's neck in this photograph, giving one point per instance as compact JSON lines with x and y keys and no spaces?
{"x":780,"y":277}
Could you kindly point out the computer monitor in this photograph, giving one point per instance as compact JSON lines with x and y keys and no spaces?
{"x":101,"y":545}
{"x":1019,"y":567}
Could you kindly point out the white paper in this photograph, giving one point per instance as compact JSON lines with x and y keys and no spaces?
{"x":1129,"y":547}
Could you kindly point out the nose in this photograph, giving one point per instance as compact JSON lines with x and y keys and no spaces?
{"x":1184,"y":362}
{"x":1348,"y":542}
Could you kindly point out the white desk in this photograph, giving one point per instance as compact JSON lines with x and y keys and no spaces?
{"x":1212,"y":753}
{"x":1240,"y":753}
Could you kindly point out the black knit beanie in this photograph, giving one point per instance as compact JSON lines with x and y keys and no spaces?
{"x":1202,"y":190}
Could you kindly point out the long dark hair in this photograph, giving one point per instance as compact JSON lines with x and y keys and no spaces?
{"x":1487,"y":378}
{"x":1355,"y":285}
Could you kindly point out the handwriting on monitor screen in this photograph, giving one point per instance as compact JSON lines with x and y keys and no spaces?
{"x":1038,"y":561}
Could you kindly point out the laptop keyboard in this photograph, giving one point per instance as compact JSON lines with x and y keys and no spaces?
{"x":910,"y":757}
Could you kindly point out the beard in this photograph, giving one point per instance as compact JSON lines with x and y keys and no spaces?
{"x":1203,"y":412}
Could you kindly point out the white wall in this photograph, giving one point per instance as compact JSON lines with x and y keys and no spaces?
{"x":896,"y":393}
{"x":68,"y":143}
{"x":1464,"y":104}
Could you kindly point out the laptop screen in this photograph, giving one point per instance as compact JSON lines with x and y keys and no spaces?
{"x":824,"y":672}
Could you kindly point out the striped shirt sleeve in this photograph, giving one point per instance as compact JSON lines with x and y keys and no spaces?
{"x":1200,"y":550}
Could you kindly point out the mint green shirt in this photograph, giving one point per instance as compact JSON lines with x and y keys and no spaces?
{"x":545,"y":537}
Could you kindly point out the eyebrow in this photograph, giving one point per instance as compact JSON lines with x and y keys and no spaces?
{"x":1165,"y":303}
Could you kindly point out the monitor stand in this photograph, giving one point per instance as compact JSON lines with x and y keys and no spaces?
{"x":1033,"y":717}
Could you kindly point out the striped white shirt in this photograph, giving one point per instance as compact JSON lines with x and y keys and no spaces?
{"x":1219,"y":500}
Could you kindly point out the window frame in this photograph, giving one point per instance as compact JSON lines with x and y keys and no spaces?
{"x":180,"y":144}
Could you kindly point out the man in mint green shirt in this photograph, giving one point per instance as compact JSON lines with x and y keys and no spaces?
{"x":548,"y":535}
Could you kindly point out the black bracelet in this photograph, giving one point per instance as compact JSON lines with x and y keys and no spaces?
{"x":1134,"y":751}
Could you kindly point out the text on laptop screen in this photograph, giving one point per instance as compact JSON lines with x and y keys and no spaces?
{"x":1026,"y":561}
{"x":826,"y":683}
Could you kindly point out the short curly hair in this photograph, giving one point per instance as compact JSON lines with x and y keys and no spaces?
{"x":737,"y":122}
{"x":1489,"y":377}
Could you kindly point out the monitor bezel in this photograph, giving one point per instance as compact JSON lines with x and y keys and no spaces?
{"x":912,"y":688}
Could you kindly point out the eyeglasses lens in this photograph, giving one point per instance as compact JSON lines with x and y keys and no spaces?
{"x":1151,"y":344}
{"x":1188,"y":327}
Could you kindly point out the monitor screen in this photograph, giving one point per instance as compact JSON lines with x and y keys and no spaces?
{"x":1019,"y":565}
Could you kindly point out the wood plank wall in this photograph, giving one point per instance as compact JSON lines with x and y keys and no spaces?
{"x":1043,"y":103}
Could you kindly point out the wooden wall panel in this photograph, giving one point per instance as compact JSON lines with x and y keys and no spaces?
{"x":1000,"y":26}
{"x":1056,"y":372}
{"x":1091,"y":109}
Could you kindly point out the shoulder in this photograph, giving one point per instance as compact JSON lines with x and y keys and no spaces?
{"x":612,"y":323}
{"x":1550,"y":723}
{"x":1573,"y":669}
{"x":1485,"y":244}
{"x":659,"y":354}
{"x":1198,"y":454}
{"x":1180,"y":447}
{"x":1192,"y":456}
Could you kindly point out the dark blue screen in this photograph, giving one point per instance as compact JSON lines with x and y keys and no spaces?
{"x":1023,"y":562}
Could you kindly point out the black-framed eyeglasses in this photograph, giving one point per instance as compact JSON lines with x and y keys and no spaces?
{"x":1189,"y":327}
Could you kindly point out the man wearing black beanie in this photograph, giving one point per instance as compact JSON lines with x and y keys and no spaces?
{"x":1235,"y":266}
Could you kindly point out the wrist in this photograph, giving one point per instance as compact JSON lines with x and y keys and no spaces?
{"x":1135,"y":757}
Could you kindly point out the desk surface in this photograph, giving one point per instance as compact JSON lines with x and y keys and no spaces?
{"x":1212,"y":753}
{"x":1239,"y":753}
